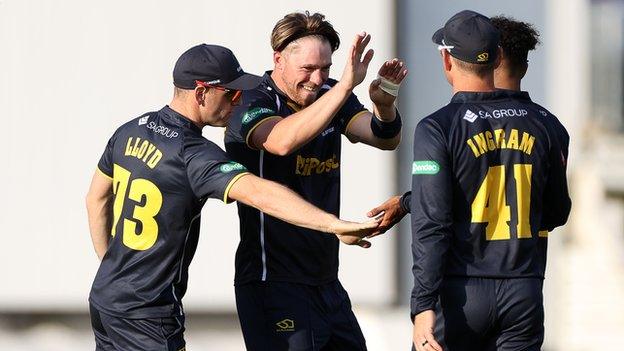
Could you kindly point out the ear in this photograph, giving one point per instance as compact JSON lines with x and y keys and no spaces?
{"x":446,"y":61}
{"x":278,"y":60}
{"x":499,"y":57}
{"x":200,"y":94}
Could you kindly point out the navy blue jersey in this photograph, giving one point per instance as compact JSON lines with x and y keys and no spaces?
{"x":270,"y":249}
{"x":488,"y":183}
{"x":163,"y":171}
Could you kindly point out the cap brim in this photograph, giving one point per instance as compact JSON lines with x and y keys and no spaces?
{"x":438,"y":36}
{"x":245,"y":82}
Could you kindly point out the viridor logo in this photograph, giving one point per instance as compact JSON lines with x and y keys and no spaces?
{"x":143,"y":120}
{"x":254,"y":113}
{"x":231,"y":166}
{"x":470,"y":116}
{"x":425,"y":167}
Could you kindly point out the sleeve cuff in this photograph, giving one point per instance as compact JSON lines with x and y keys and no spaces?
{"x":226,"y":193}
{"x":104,"y":174}
{"x":354,"y":118}
{"x":248,"y":136}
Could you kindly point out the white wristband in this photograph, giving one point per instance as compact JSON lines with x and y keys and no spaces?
{"x":388,"y":86}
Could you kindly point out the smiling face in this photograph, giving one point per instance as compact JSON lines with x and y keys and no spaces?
{"x":302,"y":68}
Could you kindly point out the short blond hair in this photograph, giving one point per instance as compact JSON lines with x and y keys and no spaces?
{"x":297,"y":25}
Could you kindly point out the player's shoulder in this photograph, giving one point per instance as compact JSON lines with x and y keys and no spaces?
{"x":548,"y":118}
{"x":265,"y":91}
{"x":445,"y":115}
{"x":195,"y":145}
{"x":329,"y":83}
{"x":133,"y":124}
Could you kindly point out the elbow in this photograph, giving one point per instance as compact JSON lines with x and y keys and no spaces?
{"x":281,"y":148}
{"x":88,"y":200}
{"x":390,"y":144}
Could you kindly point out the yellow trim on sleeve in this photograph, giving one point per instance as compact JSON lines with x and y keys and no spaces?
{"x":104,"y":174}
{"x":355,"y":116}
{"x":229,"y":186}
{"x":256,"y":126}
{"x":543,"y":233}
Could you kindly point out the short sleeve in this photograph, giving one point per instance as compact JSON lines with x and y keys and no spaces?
{"x":105,"y":165}
{"x":210,"y":172}
{"x":350,"y":111}
{"x":257,"y":108}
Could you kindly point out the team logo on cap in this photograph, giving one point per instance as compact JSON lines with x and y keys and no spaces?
{"x":483,"y":57}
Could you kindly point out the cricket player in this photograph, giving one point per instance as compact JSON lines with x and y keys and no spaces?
{"x":517,"y":39}
{"x":151,"y":182}
{"x":289,"y":129}
{"x":488,"y":183}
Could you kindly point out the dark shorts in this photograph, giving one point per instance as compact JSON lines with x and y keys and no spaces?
{"x":121,"y":334}
{"x":490,"y":314}
{"x":278,"y":316}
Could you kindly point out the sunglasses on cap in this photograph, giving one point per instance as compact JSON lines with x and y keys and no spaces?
{"x":233,"y":95}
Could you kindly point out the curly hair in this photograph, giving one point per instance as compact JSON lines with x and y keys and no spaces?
{"x":517,"y":39}
{"x":297,"y":25}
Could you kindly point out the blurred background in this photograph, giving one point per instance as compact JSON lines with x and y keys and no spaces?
{"x":72,"y":71}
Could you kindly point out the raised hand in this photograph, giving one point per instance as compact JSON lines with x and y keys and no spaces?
{"x":356,"y":66}
{"x":394,"y":71}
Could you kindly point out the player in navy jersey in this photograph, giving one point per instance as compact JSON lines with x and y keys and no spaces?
{"x":152,"y":180}
{"x":289,"y":130}
{"x":488,"y":183}
{"x":517,"y":39}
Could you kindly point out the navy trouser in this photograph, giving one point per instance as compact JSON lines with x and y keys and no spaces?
{"x":278,"y":316}
{"x":483,"y":314}
{"x":122,"y":334}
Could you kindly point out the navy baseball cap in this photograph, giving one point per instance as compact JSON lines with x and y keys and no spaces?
{"x":212,"y":64}
{"x":470,"y":37}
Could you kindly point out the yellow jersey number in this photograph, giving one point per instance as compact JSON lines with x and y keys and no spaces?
{"x":490,"y":204}
{"x":145,"y":214}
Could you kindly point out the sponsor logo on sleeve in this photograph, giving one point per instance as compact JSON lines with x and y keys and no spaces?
{"x":254,"y":113}
{"x":231,"y":166}
{"x":425,"y":167}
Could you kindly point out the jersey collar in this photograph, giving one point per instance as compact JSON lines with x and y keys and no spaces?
{"x":179,"y":119}
{"x":498,"y":94}
{"x":271,"y":83}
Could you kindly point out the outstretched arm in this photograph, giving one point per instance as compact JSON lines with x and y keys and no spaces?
{"x":391,"y":212}
{"x":280,"y":202}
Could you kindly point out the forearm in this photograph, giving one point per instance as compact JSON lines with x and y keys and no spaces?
{"x":100,"y":221}
{"x":386,"y":113}
{"x":289,"y":134}
{"x":280,"y":202}
{"x":406,"y":202}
